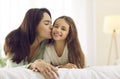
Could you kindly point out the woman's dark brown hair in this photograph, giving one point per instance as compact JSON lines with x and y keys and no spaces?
{"x":75,"y":54}
{"x":18,"y":41}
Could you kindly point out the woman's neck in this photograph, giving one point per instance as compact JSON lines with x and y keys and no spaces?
{"x":34,"y":48}
{"x":59,"y":47}
{"x":37,"y":42}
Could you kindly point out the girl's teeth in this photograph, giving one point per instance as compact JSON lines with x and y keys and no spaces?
{"x":57,"y":34}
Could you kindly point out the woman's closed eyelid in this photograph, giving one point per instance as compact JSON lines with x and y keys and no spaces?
{"x":47,"y":23}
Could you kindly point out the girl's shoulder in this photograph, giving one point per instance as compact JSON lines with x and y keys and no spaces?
{"x":49,"y":45}
{"x":49,"y":48}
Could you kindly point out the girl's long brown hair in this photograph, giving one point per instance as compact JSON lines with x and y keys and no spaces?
{"x":18,"y":41}
{"x":75,"y":54}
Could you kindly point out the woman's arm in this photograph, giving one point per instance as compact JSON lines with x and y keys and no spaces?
{"x":46,"y":69}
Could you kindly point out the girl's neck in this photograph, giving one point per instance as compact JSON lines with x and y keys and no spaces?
{"x":59,"y":47}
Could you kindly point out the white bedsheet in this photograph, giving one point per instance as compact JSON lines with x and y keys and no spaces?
{"x":96,"y":72}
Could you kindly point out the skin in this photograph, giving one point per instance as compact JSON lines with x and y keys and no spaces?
{"x":44,"y":27}
{"x":43,"y":32}
{"x":60,"y":32}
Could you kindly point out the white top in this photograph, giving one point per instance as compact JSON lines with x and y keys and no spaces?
{"x":50,"y":56}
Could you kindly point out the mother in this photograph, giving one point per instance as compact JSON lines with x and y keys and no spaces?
{"x":25,"y":45}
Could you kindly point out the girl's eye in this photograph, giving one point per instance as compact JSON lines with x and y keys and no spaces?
{"x":55,"y":26}
{"x":63,"y":29}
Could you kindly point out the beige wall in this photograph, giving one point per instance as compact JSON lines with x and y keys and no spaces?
{"x":103,"y":8}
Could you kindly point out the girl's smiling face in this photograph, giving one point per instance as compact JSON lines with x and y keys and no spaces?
{"x":60,"y":30}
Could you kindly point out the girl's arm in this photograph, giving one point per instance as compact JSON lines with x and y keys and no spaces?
{"x":68,"y":65}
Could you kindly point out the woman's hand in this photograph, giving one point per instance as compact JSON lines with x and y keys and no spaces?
{"x":68,"y":65}
{"x":47,"y":70}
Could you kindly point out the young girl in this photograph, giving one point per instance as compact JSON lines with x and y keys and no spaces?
{"x":64,"y":50}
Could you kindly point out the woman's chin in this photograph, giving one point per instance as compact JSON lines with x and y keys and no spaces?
{"x":50,"y":37}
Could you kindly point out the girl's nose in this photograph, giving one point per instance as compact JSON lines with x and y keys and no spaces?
{"x":59,"y":29}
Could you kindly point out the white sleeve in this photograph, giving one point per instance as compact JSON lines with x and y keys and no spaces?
{"x":10,"y":63}
{"x":86,"y":62}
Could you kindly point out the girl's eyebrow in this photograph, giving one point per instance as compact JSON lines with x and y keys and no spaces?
{"x":55,"y":24}
{"x":63,"y":26}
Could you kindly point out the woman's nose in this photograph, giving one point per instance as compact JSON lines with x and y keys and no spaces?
{"x":51,"y":27}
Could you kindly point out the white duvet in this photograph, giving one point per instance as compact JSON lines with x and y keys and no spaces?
{"x":96,"y":72}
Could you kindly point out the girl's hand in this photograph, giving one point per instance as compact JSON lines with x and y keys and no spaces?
{"x":68,"y":65}
{"x":47,"y":70}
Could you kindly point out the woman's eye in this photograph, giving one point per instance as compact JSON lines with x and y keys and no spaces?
{"x":46,"y":23}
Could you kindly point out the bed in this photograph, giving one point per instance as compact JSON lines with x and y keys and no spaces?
{"x":94,"y":72}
